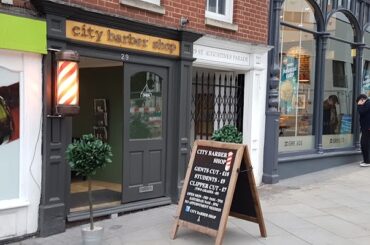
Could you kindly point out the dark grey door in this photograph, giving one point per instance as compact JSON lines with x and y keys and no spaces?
{"x":144,"y":162}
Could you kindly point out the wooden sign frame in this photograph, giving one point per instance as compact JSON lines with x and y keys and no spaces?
{"x":241,"y":161}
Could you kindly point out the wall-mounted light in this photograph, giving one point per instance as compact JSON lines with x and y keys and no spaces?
{"x":67,"y":83}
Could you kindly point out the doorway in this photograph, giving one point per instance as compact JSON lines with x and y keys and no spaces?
{"x":100,"y":114}
{"x":125,"y":106}
{"x":145,"y":111}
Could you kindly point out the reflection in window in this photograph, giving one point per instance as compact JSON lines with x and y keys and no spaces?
{"x":146,"y":106}
{"x":339,"y":76}
{"x":217,"y":6}
{"x":340,"y":27}
{"x":221,"y":10}
{"x":366,"y":78}
{"x":9,"y":134}
{"x":366,"y":82}
{"x":296,"y":90}
{"x":298,"y":13}
{"x":338,"y":95}
{"x":329,"y":6}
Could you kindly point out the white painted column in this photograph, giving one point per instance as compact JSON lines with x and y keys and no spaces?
{"x":254,"y":113}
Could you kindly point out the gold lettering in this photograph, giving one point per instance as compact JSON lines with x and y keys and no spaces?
{"x":83,"y":29}
{"x":76,"y":30}
{"x":119,"y":38}
{"x":99,"y":34}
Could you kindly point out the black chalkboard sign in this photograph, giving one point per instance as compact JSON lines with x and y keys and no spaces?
{"x":208,"y":184}
{"x":219,"y":181}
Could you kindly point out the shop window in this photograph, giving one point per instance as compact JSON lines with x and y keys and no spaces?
{"x":9,"y":134}
{"x":338,"y":85}
{"x":329,"y":5}
{"x":220,"y":10}
{"x":296,"y":90}
{"x":340,"y":27}
{"x":298,"y":13}
{"x":366,"y":55}
{"x":366,"y":82}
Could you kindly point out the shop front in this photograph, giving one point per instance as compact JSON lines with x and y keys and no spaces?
{"x":134,"y":93}
{"x":20,"y":124}
{"x":320,"y":52}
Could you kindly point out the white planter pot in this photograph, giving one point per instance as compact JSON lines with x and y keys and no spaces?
{"x":92,"y":237}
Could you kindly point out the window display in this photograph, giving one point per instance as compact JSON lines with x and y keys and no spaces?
{"x":338,"y":85}
{"x":296,"y":90}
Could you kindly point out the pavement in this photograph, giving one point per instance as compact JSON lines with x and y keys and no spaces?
{"x":327,"y":207}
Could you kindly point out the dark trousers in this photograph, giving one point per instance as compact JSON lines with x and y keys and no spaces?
{"x":365,"y":145}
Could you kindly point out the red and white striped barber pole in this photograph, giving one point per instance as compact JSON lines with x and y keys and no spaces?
{"x":67,"y":83}
{"x":229,"y":161}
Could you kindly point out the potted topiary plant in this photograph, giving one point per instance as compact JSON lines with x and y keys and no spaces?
{"x":85,"y":156}
{"x":228,"y":133}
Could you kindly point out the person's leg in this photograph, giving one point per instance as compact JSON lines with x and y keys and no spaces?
{"x":365,"y":147}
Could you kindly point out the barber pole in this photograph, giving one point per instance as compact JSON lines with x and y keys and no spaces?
{"x":67,"y":83}
{"x":229,"y":161}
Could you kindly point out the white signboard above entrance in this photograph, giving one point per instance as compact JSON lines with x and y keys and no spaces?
{"x":221,"y":56}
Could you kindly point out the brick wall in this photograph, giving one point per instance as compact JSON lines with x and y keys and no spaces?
{"x":251,"y":16}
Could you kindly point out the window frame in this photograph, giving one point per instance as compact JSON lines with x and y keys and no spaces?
{"x":228,"y":17}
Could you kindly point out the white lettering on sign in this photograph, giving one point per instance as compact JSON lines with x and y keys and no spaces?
{"x":221,"y":55}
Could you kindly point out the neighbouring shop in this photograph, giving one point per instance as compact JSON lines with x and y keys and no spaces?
{"x":134,"y":93}
{"x":322,"y":52}
{"x":228,"y":88}
{"x":20,"y":123}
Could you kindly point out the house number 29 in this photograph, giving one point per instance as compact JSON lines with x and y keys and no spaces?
{"x":125,"y":57}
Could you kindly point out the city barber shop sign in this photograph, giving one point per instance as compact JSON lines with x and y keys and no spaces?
{"x":113,"y":37}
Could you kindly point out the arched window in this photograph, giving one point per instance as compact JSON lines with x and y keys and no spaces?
{"x":340,"y":68}
{"x":297,"y":53}
{"x":298,"y":13}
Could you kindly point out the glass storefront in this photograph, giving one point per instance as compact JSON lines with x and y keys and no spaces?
{"x":338,"y":96}
{"x":338,"y":84}
{"x":296,"y":94}
{"x":297,"y":58}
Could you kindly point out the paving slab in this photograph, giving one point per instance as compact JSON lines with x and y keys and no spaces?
{"x":326,"y":207}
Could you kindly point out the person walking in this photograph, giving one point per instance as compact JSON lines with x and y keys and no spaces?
{"x":363,"y":108}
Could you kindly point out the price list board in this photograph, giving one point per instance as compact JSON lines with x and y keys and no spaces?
{"x":208,"y":184}
{"x":219,"y":182}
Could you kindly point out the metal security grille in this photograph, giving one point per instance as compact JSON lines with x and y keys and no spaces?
{"x":217,"y":100}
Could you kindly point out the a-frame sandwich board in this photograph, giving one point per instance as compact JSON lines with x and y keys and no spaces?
{"x":219,"y":182}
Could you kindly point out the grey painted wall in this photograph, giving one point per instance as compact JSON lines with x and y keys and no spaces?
{"x":103,"y":83}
